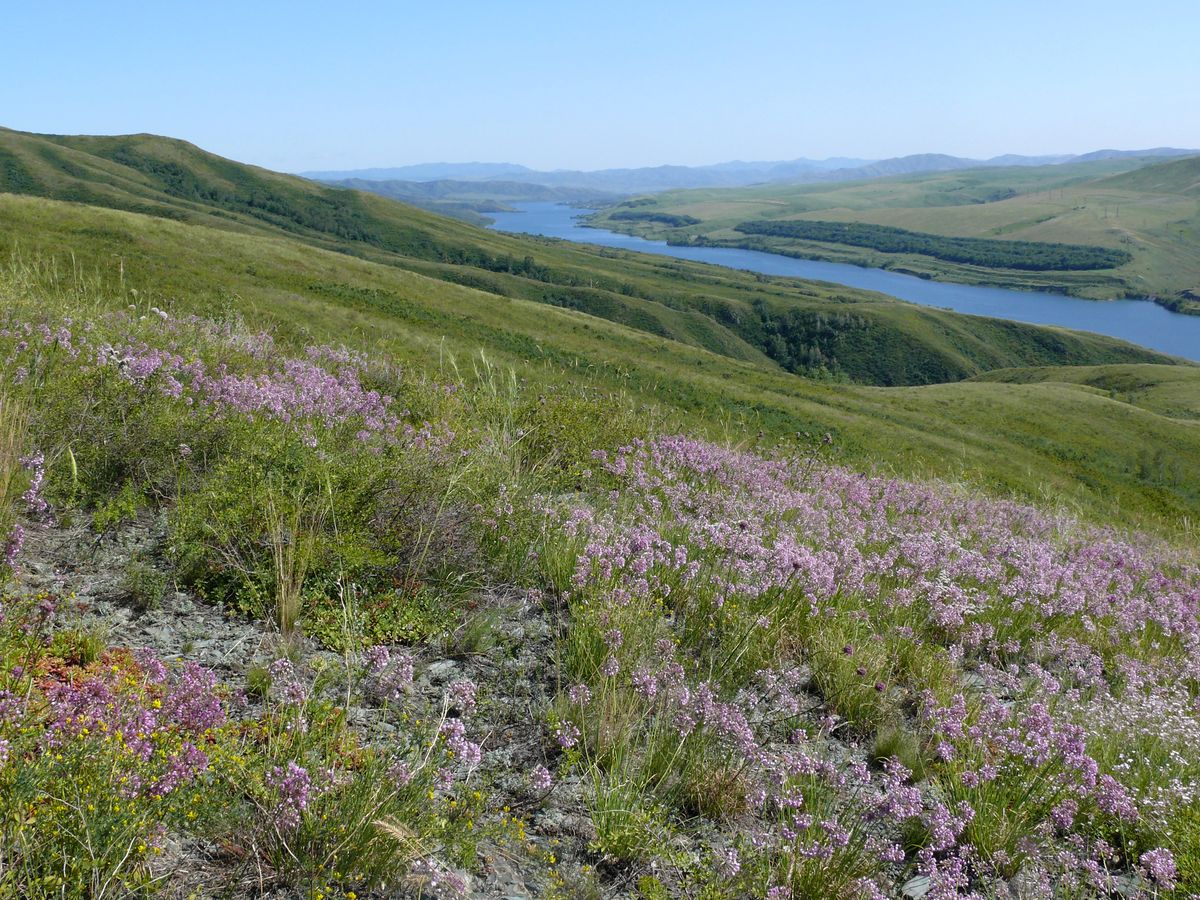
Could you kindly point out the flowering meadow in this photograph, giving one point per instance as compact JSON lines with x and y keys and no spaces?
{"x":766,"y":675}
{"x":870,"y":681}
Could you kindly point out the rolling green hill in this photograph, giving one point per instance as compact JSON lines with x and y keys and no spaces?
{"x":1147,"y":212}
{"x":158,"y":222}
{"x":1048,"y":440}
{"x":1169,"y":392}
{"x":796,"y":326}
{"x":1179,"y":177}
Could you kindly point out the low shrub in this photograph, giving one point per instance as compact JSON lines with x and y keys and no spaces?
{"x":143,"y":585}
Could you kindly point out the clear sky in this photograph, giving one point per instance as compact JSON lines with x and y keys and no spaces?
{"x":585,"y":84}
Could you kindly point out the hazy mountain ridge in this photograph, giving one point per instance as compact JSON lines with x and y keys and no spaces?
{"x":472,"y":200}
{"x":474,"y":171}
{"x":736,"y":173}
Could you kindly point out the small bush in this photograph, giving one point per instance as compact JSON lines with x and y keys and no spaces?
{"x":896,"y":741}
{"x":78,"y":646}
{"x":258,"y":682}
{"x":120,"y":509}
{"x":143,"y":585}
{"x":627,"y":826}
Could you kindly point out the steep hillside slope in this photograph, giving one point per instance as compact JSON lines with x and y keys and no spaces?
{"x":284,"y":618}
{"x":1044,"y":441}
{"x":800,"y":327}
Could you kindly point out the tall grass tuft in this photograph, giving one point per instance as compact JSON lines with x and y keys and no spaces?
{"x":293,"y":529}
{"x":13,"y":426}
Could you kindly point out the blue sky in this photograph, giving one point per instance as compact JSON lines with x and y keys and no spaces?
{"x":297,"y":86}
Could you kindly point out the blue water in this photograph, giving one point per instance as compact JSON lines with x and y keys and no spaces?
{"x":1138,"y":321}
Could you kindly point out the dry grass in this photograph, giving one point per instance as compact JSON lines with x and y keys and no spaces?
{"x":13,"y":426}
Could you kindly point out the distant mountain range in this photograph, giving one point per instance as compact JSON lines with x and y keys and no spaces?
{"x":443,"y":189}
{"x":471,"y":201}
{"x":726,"y":174}
{"x":663,"y":178}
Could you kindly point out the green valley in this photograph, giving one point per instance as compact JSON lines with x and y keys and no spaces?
{"x":1146,"y":212}
{"x":800,"y":327}
{"x":705,"y":346}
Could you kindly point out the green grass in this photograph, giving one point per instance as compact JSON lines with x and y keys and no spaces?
{"x":1051,"y":441}
{"x":1170,"y":393}
{"x":797,"y":326}
{"x":1151,"y":212}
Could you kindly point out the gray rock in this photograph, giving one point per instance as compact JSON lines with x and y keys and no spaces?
{"x":916,"y":887}
{"x":442,"y":670}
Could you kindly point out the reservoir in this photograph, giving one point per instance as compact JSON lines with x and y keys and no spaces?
{"x":1138,"y":321}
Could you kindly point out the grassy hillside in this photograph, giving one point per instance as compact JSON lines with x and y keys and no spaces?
{"x":283,"y":618}
{"x":340,"y":571}
{"x":800,"y":327}
{"x":1151,"y":211}
{"x":1036,"y":440}
{"x":1179,"y":177}
{"x":1169,"y":392}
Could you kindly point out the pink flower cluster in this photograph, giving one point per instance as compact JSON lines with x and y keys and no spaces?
{"x":1048,"y":619}
{"x":460,"y":696}
{"x":387,"y":677}
{"x":35,"y":506}
{"x":161,"y":724}
{"x":292,"y":786}
{"x":324,"y":389}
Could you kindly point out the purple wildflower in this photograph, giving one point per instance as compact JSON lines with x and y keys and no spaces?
{"x":540,"y":779}
{"x":293,"y":787}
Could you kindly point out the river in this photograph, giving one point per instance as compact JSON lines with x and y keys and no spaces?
{"x":1139,"y":321}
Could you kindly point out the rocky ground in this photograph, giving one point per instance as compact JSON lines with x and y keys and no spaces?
{"x":515,"y":673}
{"x":551,"y":855}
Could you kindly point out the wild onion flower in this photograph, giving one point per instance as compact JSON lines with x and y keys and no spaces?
{"x":443,"y":882}
{"x":401,"y":772}
{"x":377,"y":658}
{"x":293,"y":787}
{"x":192,"y":701}
{"x":540,"y":778}
{"x":13,"y":545}
{"x":579,"y":694}
{"x":461,"y":695}
{"x":1159,"y":865}
{"x":388,"y":676}
{"x":35,"y":504}
{"x":11,"y":706}
{"x":728,"y":862}
{"x":567,"y":735}
{"x":285,"y":682}
{"x":469,"y":753}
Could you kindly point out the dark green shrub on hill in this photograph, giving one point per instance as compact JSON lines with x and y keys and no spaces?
{"x":992,"y":254}
{"x":662,"y":218}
